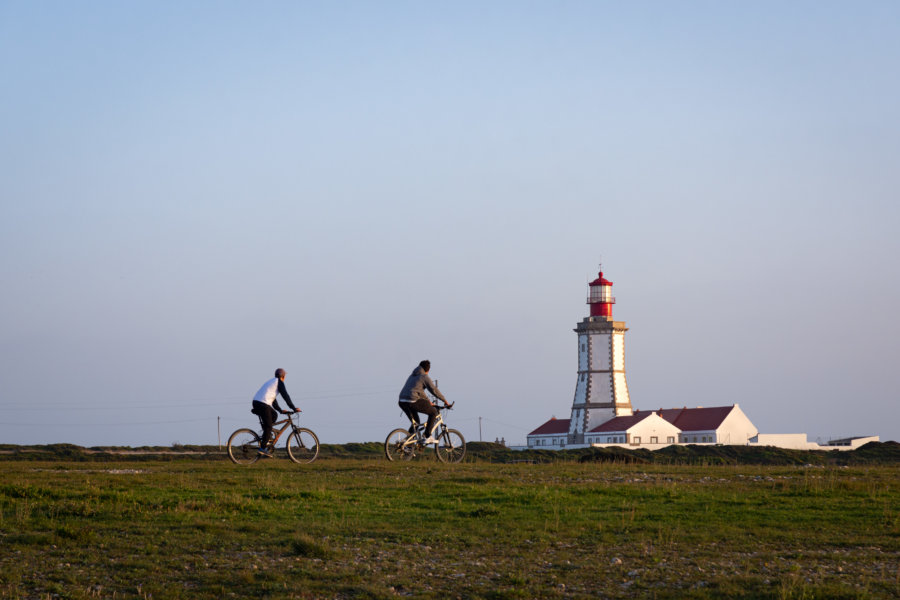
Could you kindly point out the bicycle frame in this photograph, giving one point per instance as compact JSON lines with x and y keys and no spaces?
{"x":287,"y":423}
{"x":418,"y":435}
{"x":449,"y":444}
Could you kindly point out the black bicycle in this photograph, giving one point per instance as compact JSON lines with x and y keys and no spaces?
{"x":302,"y":444}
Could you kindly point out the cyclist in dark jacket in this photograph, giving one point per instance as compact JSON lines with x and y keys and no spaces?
{"x":414,"y":400}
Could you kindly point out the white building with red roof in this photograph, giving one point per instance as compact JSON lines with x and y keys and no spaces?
{"x":552,"y":435}
{"x":644,"y":429}
{"x":656,"y":429}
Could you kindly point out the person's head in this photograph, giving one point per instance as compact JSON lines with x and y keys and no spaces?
{"x":426,"y":365}
{"x":280,"y":373}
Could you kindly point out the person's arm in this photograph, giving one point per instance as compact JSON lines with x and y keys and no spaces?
{"x":429,"y":384}
{"x":283,"y":391}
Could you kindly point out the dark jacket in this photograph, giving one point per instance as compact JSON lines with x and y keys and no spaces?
{"x":416,"y":384}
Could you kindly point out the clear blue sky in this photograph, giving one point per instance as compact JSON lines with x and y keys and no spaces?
{"x":195,"y":193}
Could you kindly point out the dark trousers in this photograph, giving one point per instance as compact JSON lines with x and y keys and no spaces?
{"x":267,"y":416}
{"x":420,"y":406}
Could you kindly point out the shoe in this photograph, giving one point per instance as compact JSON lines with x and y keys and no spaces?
{"x":430,"y":440}
{"x":264,"y":453}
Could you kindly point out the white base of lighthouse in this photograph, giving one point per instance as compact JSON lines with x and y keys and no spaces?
{"x":601,"y":391}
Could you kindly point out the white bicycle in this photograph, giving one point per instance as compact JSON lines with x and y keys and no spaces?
{"x":401,"y":444}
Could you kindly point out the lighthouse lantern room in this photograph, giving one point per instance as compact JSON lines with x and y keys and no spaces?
{"x":600,"y":297}
{"x":601,"y":391}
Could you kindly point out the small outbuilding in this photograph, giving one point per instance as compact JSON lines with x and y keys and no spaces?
{"x":552,"y":435}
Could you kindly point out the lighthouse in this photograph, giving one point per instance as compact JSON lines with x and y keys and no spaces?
{"x":601,"y":392}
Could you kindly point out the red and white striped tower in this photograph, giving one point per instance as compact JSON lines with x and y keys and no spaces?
{"x":601,"y":391}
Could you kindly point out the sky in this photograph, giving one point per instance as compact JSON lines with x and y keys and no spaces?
{"x":193,"y":194}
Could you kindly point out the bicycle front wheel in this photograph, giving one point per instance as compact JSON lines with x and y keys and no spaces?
{"x":303,"y":446}
{"x":243,"y":447}
{"x":451,"y":446}
{"x":396,"y":449}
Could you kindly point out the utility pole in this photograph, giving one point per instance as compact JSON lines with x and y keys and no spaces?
{"x":219,"y":427}
{"x":479,"y":429}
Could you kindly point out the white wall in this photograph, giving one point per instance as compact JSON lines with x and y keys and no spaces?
{"x":556,"y":441}
{"x":799,"y":441}
{"x":600,"y":351}
{"x":653,"y":426}
{"x":736,"y":429}
{"x":623,"y":400}
{"x":618,"y":350}
{"x":793,"y":441}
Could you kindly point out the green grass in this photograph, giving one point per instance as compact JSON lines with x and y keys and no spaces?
{"x":349,"y":528}
{"x":873,"y":453}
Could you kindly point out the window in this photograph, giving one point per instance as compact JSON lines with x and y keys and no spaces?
{"x":670,"y":439}
{"x":635,"y":440}
{"x":654,"y":440}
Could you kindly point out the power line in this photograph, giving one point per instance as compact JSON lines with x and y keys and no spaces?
{"x":103,"y":424}
{"x":507,"y":424}
{"x":220,"y":402}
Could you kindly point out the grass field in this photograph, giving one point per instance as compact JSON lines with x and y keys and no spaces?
{"x":350,"y":528}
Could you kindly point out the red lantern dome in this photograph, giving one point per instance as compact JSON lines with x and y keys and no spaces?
{"x":600,"y":297}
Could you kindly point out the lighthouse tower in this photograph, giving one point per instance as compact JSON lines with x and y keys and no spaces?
{"x":601,"y":392}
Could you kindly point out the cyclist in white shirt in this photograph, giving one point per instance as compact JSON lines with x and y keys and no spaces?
{"x":265,"y":405}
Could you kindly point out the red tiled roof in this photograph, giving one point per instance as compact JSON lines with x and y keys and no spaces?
{"x":685,"y":419}
{"x":621,"y":423}
{"x":696,"y":419}
{"x":552,"y":426}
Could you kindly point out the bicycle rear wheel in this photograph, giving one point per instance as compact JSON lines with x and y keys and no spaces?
{"x":394,"y":447}
{"x":451,"y":446}
{"x":303,"y":446}
{"x":243,"y":447}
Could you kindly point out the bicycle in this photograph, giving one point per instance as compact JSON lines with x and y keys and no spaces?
{"x":302,"y":444}
{"x":403,"y":444}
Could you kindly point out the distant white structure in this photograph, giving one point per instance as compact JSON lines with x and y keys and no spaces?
{"x":799,"y":441}
{"x":602,"y":414}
